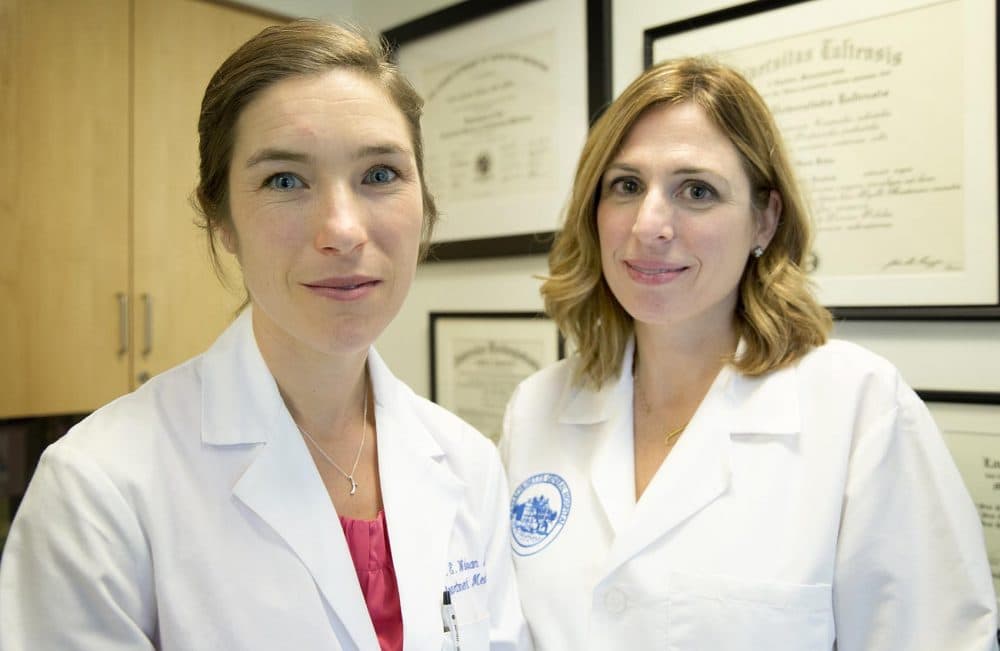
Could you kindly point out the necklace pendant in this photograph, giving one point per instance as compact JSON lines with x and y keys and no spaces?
{"x":354,"y":484}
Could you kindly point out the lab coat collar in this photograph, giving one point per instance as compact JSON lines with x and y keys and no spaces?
{"x":584,"y":406}
{"x":768,"y":404}
{"x":764,"y":405}
{"x":698,"y":470}
{"x":240,"y":400}
{"x":606,"y":413}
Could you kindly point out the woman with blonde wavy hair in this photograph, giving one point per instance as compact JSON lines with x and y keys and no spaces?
{"x":708,"y":470}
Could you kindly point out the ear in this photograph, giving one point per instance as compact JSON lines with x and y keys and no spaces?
{"x":227,"y":235}
{"x":767,"y":220}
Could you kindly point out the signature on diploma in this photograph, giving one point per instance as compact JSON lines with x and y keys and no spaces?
{"x":925,"y":262}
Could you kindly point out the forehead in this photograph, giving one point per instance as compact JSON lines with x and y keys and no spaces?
{"x":339,"y":103}
{"x":678,"y":131}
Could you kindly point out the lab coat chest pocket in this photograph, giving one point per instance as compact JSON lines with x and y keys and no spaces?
{"x":729,"y":614}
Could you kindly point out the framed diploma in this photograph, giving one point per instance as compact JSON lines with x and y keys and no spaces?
{"x":970,"y":423}
{"x":889,"y":112}
{"x":508,"y":94}
{"x":478,"y":358}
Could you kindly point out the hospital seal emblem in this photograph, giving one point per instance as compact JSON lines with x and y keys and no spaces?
{"x":538,"y":512}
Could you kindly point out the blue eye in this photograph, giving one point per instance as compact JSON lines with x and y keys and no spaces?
{"x":380,"y":175}
{"x":284,"y":181}
{"x":700,"y":191}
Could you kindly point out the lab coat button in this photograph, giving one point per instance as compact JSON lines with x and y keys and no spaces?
{"x":615,"y":601}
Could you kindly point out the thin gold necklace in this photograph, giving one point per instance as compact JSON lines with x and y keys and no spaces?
{"x":364,"y":431}
{"x":672,"y":434}
{"x":669,"y":437}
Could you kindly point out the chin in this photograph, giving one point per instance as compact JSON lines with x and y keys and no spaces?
{"x":351,"y":336}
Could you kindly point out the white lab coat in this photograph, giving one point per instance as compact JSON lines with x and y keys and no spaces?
{"x":813,"y":508}
{"x":190,"y":515}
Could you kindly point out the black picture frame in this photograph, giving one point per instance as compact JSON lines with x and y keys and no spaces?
{"x":978,"y":311}
{"x":598,"y":73}
{"x":960,"y":397}
{"x":494,"y":351}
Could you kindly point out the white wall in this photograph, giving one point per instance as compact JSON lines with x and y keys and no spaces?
{"x":376,"y":14}
{"x":931,"y":355}
{"x":383,"y":14}
{"x":326,"y":9}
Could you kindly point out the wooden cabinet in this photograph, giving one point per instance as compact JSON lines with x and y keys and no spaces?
{"x":64,"y":213}
{"x":99,"y":102}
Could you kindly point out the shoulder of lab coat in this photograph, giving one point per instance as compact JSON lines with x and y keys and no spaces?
{"x":911,"y":571}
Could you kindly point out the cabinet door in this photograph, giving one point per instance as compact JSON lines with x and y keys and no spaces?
{"x":178,"y":45}
{"x":64,"y":159}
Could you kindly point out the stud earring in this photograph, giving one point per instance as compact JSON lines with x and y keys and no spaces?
{"x":757,"y":251}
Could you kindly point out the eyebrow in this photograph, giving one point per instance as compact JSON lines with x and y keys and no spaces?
{"x":282,"y":155}
{"x":625,"y":167}
{"x":270,"y":154}
{"x":381,"y":149}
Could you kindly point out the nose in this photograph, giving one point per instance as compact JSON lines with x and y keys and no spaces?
{"x":342,"y":228}
{"x":654,"y":220}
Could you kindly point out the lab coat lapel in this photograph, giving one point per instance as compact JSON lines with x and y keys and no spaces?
{"x":281,"y":486}
{"x":420,"y":496}
{"x":699,"y":469}
{"x":612,"y":472}
{"x":284,"y":489}
{"x":694,"y":474}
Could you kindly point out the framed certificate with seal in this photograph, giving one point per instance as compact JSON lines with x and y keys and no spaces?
{"x":509,"y":88}
{"x":478,"y":358}
{"x":900,"y":174}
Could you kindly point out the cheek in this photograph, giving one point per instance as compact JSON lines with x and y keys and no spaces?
{"x":610,"y":226}
{"x":400,"y":235}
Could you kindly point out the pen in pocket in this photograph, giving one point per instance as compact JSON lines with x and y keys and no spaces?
{"x":448,"y":619}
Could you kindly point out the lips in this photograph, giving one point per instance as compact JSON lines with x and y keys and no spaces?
{"x":343,"y":287}
{"x":654,"y":271}
{"x":342,"y":282}
{"x":651,"y":269}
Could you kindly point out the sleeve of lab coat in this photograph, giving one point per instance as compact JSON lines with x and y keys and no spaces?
{"x":911,"y":565}
{"x":76,"y":572}
{"x":508,"y":628}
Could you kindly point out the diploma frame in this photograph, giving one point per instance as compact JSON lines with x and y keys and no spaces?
{"x":486,"y":240}
{"x":970,"y":422}
{"x":494,"y":349}
{"x":981,"y":224}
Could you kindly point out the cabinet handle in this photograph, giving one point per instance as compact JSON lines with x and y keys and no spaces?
{"x":147,"y":330}
{"x":122,"y":323}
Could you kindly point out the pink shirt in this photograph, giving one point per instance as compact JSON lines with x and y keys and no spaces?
{"x":368,"y":542}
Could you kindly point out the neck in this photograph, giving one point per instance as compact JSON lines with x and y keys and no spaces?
{"x":677,"y":365}
{"x":324,"y":393}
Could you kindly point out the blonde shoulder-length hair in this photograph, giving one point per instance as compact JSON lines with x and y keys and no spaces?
{"x":777,"y":316}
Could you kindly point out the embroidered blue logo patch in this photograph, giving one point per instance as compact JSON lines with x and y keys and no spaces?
{"x":538,"y":512}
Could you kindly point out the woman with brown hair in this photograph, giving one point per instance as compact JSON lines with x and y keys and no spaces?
{"x":247,"y":499}
{"x":708,"y":470}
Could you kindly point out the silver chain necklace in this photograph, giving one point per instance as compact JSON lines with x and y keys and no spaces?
{"x":364,"y":431}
